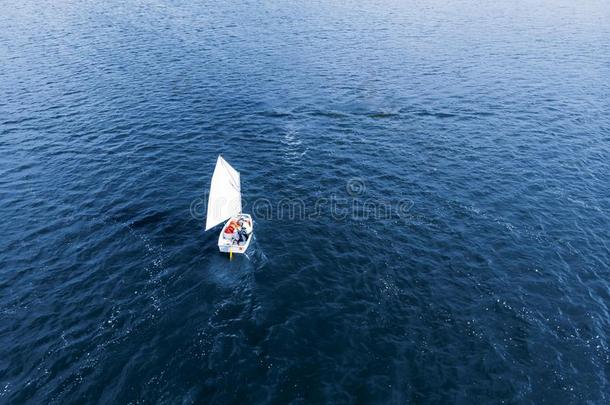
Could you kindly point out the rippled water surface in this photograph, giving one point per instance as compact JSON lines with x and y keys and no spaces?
{"x":451,"y":159}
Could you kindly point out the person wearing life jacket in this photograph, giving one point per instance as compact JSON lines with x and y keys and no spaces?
{"x":241,"y":231}
{"x":246,"y":225}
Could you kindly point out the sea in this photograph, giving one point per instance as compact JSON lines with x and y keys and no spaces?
{"x":429,"y":182}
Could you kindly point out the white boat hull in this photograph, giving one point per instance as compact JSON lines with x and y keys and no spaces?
{"x":228,"y":244}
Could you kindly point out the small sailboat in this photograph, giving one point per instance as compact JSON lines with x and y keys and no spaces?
{"x":224,"y":204}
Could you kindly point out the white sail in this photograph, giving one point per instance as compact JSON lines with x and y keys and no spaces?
{"x":225,"y":194}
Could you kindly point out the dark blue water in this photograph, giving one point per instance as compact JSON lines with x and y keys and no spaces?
{"x":429,"y":182}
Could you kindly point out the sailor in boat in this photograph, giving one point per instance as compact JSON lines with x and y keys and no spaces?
{"x":239,"y":231}
{"x":245,"y":228}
